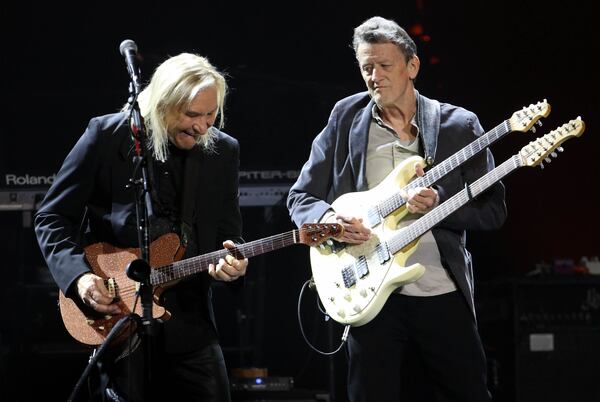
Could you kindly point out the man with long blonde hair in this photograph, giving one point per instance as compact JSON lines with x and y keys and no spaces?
{"x":194,"y":194}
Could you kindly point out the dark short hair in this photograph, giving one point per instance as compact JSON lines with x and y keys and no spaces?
{"x":381,"y":30}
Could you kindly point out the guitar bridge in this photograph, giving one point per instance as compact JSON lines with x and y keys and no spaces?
{"x":349,"y":276}
{"x":358,"y":270}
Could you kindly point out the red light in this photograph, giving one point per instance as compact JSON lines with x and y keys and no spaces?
{"x":416,"y":30}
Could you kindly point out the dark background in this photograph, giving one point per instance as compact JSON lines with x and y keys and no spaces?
{"x":287,"y":65}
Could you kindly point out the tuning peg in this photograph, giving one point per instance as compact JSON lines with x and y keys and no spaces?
{"x":539,"y":123}
{"x":533,"y":130}
{"x":542,"y":165}
{"x":554,"y":154}
{"x":548,"y":160}
{"x":560,"y":149}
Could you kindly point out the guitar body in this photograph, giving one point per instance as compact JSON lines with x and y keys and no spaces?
{"x":354,"y":281}
{"x":362,"y":301}
{"x":109,"y":262}
{"x":358,"y":203}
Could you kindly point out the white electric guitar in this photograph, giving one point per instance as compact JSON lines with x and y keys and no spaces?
{"x":386,"y":198}
{"x":383,"y":206}
{"x":354,"y":281}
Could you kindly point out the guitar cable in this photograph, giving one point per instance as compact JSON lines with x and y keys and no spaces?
{"x":310,"y":283}
{"x":97,"y":354}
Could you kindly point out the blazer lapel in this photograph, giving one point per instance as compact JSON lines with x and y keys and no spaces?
{"x":357,"y":144}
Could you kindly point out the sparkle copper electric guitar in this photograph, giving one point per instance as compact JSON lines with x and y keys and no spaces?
{"x":109,"y":262}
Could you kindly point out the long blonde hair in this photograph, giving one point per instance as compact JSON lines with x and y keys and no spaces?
{"x":174,"y":84}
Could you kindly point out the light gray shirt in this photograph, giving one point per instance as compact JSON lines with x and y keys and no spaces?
{"x":384,"y":152}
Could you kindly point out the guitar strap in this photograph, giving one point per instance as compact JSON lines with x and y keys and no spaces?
{"x":82,"y":226}
{"x":428,"y":121}
{"x":188,"y":196}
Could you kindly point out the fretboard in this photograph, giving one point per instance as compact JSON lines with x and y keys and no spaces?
{"x":395,"y":201}
{"x":415,"y":230}
{"x":184,"y":268}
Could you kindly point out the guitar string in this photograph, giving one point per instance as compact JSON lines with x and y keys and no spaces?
{"x":200,"y":263}
{"x":184,"y":268}
{"x":190,"y":266}
{"x":416,"y":230}
{"x":395,"y":201}
{"x":413,"y":232}
{"x":426,"y":222}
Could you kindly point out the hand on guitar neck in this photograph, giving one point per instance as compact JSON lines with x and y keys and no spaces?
{"x":229,"y":268}
{"x":420,"y":200}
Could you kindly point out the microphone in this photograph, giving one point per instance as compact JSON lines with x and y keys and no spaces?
{"x":128,"y":49}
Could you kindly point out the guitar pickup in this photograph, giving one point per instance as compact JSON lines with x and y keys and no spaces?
{"x":374,"y":217}
{"x":362,"y":267}
{"x":111,"y":285}
{"x":383,"y":253}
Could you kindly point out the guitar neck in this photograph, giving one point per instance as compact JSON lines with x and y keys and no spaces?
{"x":415,"y":230}
{"x":395,"y":201}
{"x":184,"y":268}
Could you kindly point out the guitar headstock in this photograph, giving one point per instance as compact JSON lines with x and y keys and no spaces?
{"x":313,"y":234}
{"x":525,"y":118}
{"x":536,"y":151}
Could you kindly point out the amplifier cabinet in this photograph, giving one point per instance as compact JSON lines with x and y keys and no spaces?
{"x":557,"y":339}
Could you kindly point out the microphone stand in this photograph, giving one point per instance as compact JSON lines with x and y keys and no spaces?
{"x":98,"y":353}
{"x":139,"y":269}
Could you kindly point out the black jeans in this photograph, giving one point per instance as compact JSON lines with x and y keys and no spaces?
{"x":198,"y":375}
{"x":439,"y":331}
